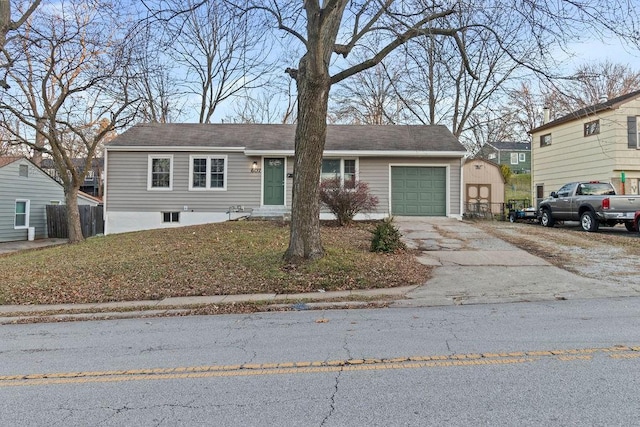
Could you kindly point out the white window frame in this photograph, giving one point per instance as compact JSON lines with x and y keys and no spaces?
{"x":637,"y":133}
{"x":514,"y":158}
{"x":208,"y":186}
{"x":27,"y":209}
{"x":522,"y":157}
{"x":492,"y":156}
{"x":342,"y":160}
{"x":153,"y":157}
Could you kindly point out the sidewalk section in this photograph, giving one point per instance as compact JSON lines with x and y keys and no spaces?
{"x":128,"y":309}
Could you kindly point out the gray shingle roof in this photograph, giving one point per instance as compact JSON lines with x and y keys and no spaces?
{"x":281,"y":137}
{"x":511,"y":146}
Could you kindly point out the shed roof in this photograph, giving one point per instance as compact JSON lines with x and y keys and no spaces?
{"x":281,"y":137}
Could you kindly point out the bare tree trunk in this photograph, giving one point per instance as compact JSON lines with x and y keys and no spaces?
{"x":311,"y":131}
{"x":73,"y":214}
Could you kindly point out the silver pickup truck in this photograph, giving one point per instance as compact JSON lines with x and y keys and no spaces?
{"x":592,"y":203}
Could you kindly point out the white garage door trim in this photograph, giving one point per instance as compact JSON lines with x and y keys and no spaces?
{"x":447,"y":184}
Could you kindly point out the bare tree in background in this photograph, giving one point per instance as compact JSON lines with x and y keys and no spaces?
{"x":223,"y":52}
{"x":369,"y":97}
{"x":158,"y":84}
{"x":69,"y":89}
{"x":7,"y":26}
{"x":590,"y":84}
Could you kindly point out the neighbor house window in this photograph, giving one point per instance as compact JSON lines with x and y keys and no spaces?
{"x":522,"y":157}
{"x":493,"y":156}
{"x":592,"y":128}
{"x":23,"y":170}
{"x":514,"y":158}
{"x":22,"y":214}
{"x":160,"y":173}
{"x":344,"y":169}
{"x":545,"y":140}
{"x":208,"y":173}
{"x":170,"y":216}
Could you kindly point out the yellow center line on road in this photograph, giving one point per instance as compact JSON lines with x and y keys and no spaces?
{"x":619,"y":352}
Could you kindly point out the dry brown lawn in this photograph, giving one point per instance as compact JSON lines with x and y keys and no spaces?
{"x":215,"y":259}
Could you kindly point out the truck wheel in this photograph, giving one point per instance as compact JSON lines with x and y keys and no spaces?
{"x":589,"y":222}
{"x":546,"y":219}
{"x":630,"y":226}
{"x":512,"y":217}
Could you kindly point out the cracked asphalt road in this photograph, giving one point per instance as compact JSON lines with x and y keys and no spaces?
{"x":546,"y":363}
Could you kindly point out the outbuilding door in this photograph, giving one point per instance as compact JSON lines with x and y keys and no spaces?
{"x":418,"y":191}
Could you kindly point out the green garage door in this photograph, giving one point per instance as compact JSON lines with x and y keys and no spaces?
{"x":418,"y":191}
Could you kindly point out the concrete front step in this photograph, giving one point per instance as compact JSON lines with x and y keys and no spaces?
{"x":271,"y":212}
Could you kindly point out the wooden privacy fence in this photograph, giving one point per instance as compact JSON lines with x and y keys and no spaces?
{"x":91,"y":221}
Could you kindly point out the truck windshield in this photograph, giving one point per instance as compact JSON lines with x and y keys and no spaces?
{"x":596,"y":189}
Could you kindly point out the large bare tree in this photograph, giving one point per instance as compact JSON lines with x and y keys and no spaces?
{"x":69,"y":89}
{"x":330,"y":31}
{"x":314,"y":76}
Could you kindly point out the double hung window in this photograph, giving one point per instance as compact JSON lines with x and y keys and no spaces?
{"x":160,"y":175}
{"x":343,"y":169}
{"x":208,"y":172}
{"x":21,"y":219}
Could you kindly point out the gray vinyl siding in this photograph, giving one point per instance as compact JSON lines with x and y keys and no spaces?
{"x":38,"y":188}
{"x":127,"y":184}
{"x":375,"y":172}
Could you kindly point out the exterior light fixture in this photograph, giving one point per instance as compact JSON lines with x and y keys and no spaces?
{"x":255,"y":168}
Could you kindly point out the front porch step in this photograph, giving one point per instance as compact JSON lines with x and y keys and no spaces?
{"x":272,"y":212}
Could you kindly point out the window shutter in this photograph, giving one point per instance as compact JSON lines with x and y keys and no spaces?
{"x":632,"y":132}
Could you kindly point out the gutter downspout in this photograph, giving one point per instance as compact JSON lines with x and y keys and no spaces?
{"x":104,"y":193}
{"x":463,"y":160}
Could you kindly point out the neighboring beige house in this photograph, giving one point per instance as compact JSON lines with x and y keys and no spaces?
{"x":600,"y":142}
{"x":483,"y":187}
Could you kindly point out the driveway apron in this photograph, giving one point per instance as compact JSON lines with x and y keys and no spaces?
{"x":473,"y":267}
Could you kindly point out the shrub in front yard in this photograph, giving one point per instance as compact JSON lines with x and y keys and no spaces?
{"x":345,"y":201}
{"x":386,"y":237}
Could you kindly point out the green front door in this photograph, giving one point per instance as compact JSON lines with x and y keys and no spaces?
{"x":418,"y":191}
{"x":274,"y":181}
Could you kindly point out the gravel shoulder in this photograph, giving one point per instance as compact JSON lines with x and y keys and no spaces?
{"x":611,"y":254}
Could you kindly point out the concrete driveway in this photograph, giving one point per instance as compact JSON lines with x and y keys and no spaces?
{"x":8,"y":247}
{"x":472,"y":267}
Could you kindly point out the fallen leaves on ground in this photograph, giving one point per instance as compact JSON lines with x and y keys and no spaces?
{"x":214,"y":259}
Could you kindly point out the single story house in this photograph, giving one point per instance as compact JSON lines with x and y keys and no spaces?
{"x":25,"y":190}
{"x":597,"y":143}
{"x":483,"y":188}
{"x":167,"y":175}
